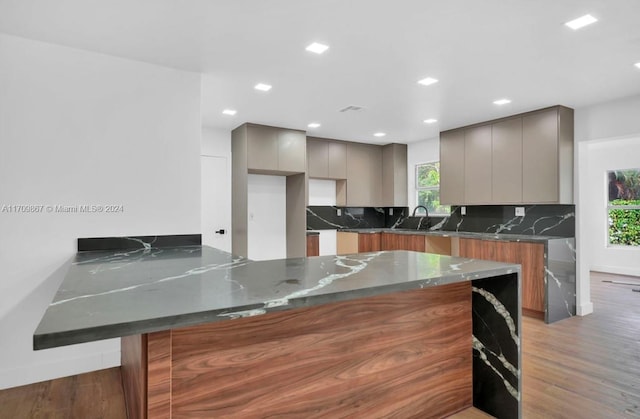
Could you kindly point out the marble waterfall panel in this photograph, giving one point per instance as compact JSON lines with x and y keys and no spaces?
{"x":496,"y":346}
{"x":560,"y":279}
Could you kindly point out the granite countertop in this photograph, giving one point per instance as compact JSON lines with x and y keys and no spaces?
{"x":463,"y":234}
{"x":108,"y":294}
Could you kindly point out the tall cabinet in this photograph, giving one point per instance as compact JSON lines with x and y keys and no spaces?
{"x":259,"y":149}
{"x":525,"y":158}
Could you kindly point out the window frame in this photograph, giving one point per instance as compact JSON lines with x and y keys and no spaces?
{"x":609,"y":206}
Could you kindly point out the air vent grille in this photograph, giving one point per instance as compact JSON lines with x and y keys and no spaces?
{"x":353,"y":108}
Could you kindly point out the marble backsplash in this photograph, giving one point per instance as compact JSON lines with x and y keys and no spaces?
{"x":550,"y":220}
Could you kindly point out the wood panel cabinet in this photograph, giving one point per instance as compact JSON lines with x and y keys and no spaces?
{"x":477,"y":165}
{"x":346,"y":243}
{"x":529,"y":255}
{"x":273,"y":150}
{"x":313,"y":245}
{"x":364,"y":175}
{"x":526,"y":158}
{"x":392,"y":241}
{"x":369,"y":242}
{"x":438,"y":245}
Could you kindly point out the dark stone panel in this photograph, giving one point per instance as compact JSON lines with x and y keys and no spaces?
{"x":560,"y":279}
{"x":138,"y":242}
{"x":496,"y":347}
{"x":327,"y":218}
{"x":548,"y":220}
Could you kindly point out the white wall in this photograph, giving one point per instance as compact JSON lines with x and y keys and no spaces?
{"x":84,"y":128}
{"x":603,"y":122}
{"x":267,"y":212}
{"x":322,"y":192}
{"x":601,"y":157}
{"x":419,"y":152}
{"x":216,"y":189}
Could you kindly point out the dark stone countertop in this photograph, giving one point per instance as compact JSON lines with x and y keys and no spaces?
{"x":108,"y":294}
{"x":463,"y":234}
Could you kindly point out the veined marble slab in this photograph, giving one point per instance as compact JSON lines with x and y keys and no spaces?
{"x":108,"y":294}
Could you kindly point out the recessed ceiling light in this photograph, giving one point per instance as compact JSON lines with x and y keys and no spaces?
{"x":501,"y":101}
{"x":637,"y":65}
{"x":581,"y":22}
{"x":313,"y":125}
{"x":229,"y":112}
{"x":263,"y":87}
{"x":430,"y":121}
{"x":379,"y":134}
{"x":317,"y":48}
{"x":427,"y":81}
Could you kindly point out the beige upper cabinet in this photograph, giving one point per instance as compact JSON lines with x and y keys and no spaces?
{"x":452,"y":167}
{"x":364,"y":175}
{"x":337,"y":160}
{"x":547,"y":144}
{"x":394,"y":175}
{"x":525,"y":158}
{"x":262,"y":147}
{"x":507,"y":161}
{"x":477,"y":165}
{"x":326,"y":159}
{"x":292,"y":151}
{"x":275,"y":150}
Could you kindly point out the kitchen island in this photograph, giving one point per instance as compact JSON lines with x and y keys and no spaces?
{"x":208,"y":334}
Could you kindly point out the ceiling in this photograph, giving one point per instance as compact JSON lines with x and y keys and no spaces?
{"x":479,"y":51}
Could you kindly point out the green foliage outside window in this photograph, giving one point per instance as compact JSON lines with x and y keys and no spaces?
{"x":624,"y":222}
{"x":428,"y":188}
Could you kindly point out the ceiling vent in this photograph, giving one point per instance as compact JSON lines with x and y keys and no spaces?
{"x":353,"y":108}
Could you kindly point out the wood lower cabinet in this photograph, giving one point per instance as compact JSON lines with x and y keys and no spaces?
{"x":529,"y":255}
{"x":438,"y":245}
{"x":392,"y":241}
{"x":346,"y":243}
{"x":369,"y":242}
{"x":313,"y":245}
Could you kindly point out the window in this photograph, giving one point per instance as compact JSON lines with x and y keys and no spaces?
{"x":623,"y":207}
{"x":428,"y":188}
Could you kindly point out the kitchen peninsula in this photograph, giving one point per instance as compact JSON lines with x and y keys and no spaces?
{"x":206,"y":333}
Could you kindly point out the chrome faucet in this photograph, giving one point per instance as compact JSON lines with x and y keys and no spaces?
{"x":426,"y":211}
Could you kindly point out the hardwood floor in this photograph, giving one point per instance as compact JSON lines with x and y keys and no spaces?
{"x":96,"y":395}
{"x":583,"y":367}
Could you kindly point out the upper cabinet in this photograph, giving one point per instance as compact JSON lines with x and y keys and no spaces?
{"x":326,"y":159}
{"x":275,"y":150}
{"x":525,"y":158}
{"x":394,"y":175}
{"x":366,"y":175}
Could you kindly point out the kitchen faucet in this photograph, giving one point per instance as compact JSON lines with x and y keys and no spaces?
{"x":426,"y":211}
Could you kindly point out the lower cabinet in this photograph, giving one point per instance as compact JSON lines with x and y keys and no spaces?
{"x":313,"y":245}
{"x":369,"y":242}
{"x":391,"y":241}
{"x":346,"y":243}
{"x":529,"y":255}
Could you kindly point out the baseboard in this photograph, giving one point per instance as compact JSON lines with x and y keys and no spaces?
{"x":60,"y":368}
{"x":617,"y":270}
{"x":584,"y":309}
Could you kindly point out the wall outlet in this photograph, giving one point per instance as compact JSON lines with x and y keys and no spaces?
{"x":519,"y":211}
{"x":390,"y":211}
{"x":463,"y":210}
{"x":339,"y":212}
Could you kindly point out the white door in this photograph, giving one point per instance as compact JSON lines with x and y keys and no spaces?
{"x":216,"y":202}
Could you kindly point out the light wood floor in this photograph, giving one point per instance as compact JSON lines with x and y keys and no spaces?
{"x":583,"y":367}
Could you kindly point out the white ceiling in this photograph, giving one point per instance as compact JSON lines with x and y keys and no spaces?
{"x":479,"y":50}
